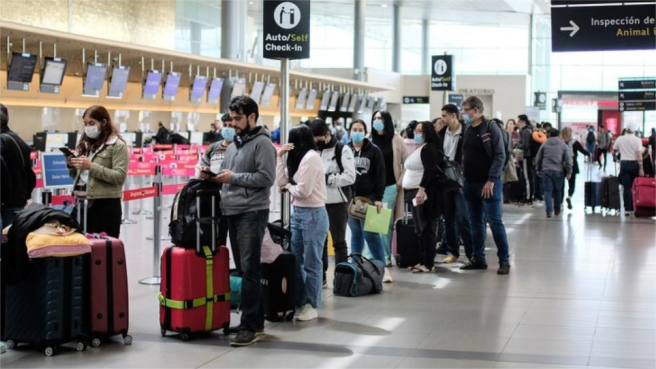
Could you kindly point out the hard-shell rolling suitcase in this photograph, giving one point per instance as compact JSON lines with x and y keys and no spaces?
{"x":195,"y":287}
{"x":279,"y":288}
{"x":408,"y":253}
{"x":592,"y":191}
{"x":644,"y":197}
{"x":49,"y":307}
{"x":610,"y":194}
{"x":109,"y":290}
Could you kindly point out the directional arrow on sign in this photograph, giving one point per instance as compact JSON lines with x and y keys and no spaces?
{"x":574,"y":28}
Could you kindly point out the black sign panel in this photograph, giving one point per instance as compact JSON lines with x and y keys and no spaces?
{"x":416,"y":100}
{"x":638,"y":95}
{"x":286,"y":29}
{"x":637,"y":105}
{"x":598,"y":28}
{"x":637,"y":84}
{"x":442,"y":75}
{"x":456,"y":99}
{"x":540,"y":100}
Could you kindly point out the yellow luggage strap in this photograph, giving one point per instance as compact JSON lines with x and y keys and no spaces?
{"x":209,"y":274}
{"x":190,"y":304}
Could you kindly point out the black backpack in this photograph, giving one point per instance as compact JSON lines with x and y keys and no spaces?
{"x":184,"y":214}
{"x":590,"y":138}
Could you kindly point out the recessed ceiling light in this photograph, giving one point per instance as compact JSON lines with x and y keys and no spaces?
{"x":251,"y":3}
{"x":383,"y":5}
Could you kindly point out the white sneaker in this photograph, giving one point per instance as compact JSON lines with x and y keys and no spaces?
{"x":387,"y":277}
{"x":307,"y":313}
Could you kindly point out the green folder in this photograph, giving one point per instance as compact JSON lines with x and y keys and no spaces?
{"x":377,"y":223}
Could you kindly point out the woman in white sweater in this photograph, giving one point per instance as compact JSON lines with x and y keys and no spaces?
{"x":303,"y":177}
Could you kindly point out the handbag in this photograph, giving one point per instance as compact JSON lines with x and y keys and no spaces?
{"x":359,"y":277}
{"x":509,"y":174}
{"x":358,"y":207}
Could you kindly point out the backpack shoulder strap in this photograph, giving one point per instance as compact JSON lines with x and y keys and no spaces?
{"x":339,"y":149}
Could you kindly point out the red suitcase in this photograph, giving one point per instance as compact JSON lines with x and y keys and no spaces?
{"x":195,"y":287}
{"x":109,"y":290}
{"x":644,"y":197}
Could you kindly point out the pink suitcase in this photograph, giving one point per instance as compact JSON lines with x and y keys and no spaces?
{"x":644,"y":197}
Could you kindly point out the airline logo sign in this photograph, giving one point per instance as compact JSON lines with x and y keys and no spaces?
{"x":286,"y":29}
{"x":442,"y":76}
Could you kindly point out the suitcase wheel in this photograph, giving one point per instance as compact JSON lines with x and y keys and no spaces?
{"x":127,"y":340}
{"x":11,"y":344}
{"x":163,"y":332}
{"x":226,"y":329}
{"x":96,"y":342}
{"x":80,"y":346}
{"x":185,"y":337}
{"x":50,"y":351}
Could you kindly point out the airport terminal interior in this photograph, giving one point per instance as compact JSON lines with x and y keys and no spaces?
{"x":577,"y":288}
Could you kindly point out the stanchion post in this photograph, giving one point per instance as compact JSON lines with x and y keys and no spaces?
{"x":126,"y":205}
{"x":157,"y":212}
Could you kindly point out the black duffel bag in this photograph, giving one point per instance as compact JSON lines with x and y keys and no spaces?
{"x":358,"y":277}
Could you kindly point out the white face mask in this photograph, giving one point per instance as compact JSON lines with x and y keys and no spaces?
{"x":92,"y":132}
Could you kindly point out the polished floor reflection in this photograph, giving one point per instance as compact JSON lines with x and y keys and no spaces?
{"x":581,"y":293}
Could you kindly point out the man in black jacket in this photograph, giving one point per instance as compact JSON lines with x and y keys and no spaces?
{"x":484,"y":156}
{"x":525,"y":139}
{"x":18,"y":179}
{"x":456,"y":216}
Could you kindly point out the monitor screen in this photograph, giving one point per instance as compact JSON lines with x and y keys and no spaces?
{"x":119,"y":80}
{"x":312,"y":96}
{"x":95,"y":77}
{"x":333,"y":101}
{"x":353,"y":103}
{"x":153,"y":80}
{"x":345,"y":102}
{"x":238,"y":88}
{"x":215,"y":89}
{"x":363,"y":104}
{"x":268,"y":93}
{"x":324,"y":100}
{"x":21,"y":68}
{"x":371,"y":101}
{"x":198,"y":88}
{"x":53,"y":71}
{"x":172,"y":83}
{"x":257,"y":91}
{"x":300,"y":99}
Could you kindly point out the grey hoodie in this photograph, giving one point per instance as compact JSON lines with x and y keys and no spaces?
{"x":253,"y":165}
{"x":555,"y":156}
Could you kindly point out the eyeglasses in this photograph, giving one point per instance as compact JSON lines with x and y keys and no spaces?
{"x":465,"y":110}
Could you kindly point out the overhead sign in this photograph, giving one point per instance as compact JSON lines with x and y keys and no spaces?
{"x":416,"y":100}
{"x":637,"y":105}
{"x":637,"y":84}
{"x":540,"y":100}
{"x":442,"y":76}
{"x":599,"y":28}
{"x":55,"y":171}
{"x":456,"y":99}
{"x":637,"y":95}
{"x":286,"y":29}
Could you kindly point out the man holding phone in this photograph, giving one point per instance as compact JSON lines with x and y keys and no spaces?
{"x":247,"y":174}
{"x":18,"y":179}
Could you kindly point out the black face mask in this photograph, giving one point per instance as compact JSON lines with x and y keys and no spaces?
{"x":321,"y":145}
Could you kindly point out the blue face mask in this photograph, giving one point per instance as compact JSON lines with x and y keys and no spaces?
{"x":468,"y":119}
{"x":357,"y":137}
{"x":379,"y":125}
{"x":228,"y":133}
{"x":419,"y":138}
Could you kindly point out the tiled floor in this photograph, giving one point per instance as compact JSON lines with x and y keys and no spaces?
{"x":581,"y":293}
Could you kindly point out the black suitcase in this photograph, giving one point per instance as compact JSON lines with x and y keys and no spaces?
{"x":408,"y":253}
{"x":592,"y":191}
{"x":279,"y":288}
{"x":49,"y":307}
{"x":610,"y":193}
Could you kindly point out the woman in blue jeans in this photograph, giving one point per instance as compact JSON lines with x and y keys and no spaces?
{"x":369,"y":183}
{"x":303,"y":177}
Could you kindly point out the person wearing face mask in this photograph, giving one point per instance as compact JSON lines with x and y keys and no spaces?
{"x":340,"y":132}
{"x":394,"y":155}
{"x":100,"y":169}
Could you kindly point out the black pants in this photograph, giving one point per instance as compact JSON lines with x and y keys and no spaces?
{"x":603,"y":152}
{"x":629,"y":171}
{"x":426,"y":230}
{"x":571,"y":184}
{"x":337,"y":216}
{"x":104,"y":215}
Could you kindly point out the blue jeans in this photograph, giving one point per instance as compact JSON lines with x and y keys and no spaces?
{"x":389,"y":198}
{"x":8,"y":215}
{"x":247,"y":232}
{"x":457,"y":224}
{"x":358,"y":235}
{"x":629,"y":171}
{"x":554,"y":184}
{"x":309,"y":232}
{"x":481,"y":209}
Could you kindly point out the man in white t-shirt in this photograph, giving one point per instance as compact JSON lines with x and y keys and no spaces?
{"x":629,"y":148}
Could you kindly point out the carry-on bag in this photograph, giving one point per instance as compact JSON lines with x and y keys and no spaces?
{"x":408,"y":253}
{"x":110,"y":312}
{"x":195,"y":287}
{"x":279,"y":288}
{"x":592,"y":191}
{"x":185,"y":227}
{"x":610,"y":194}
{"x":359,"y":277}
{"x":644,"y":197}
{"x":48,"y":308}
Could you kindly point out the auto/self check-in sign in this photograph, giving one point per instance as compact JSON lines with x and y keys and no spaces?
{"x":286,"y":29}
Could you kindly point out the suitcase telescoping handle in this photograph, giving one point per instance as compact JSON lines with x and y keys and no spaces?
{"x":85,"y":205}
{"x":200,"y":194}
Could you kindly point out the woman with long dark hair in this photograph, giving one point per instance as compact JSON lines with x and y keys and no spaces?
{"x":303,"y":177}
{"x":100,"y":169}
{"x":421,"y":191}
{"x":394,"y":155}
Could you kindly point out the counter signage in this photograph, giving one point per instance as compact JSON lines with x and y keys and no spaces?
{"x":456,"y":99}
{"x":603,"y":27}
{"x":442,"y":76}
{"x":55,"y":172}
{"x":286,"y":29}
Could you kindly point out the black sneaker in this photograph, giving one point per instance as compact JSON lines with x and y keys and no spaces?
{"x":474,"y":266}
{"x":244,"y":338}
{"x":503,"y":269}
{"x":441,"y":250}
{"x":569,"y":203}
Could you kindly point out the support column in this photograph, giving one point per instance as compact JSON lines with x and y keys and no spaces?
{"x":233,"y":29}
{"x":396,"y":46}
{"x":358,"y":39}
{"x":425,"y":48}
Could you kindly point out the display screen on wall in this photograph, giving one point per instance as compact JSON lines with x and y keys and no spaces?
{"x":353,"y":103}
{"x":256,"y":92}
{"x":215,"y":91}
{"x":171,"y":85}
{"x":300,"y":99}
{"x":333,"y":101}
{"x":21,"y":68}
{"x":312,"y":97}
{"x":53,"y":71}
{"x":151,"y":86}
{"x":325,"y":98}
{"x":119,"y":81}
{"x":238,"y":88}
{"x":95,"y":77}
{"x":268,"y":93}
{"x":198,"y":88}
{"x":346,"y":99}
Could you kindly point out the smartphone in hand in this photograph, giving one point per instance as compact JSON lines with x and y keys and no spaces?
{"x":209,"y":173}
{"x":67,"y":153}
